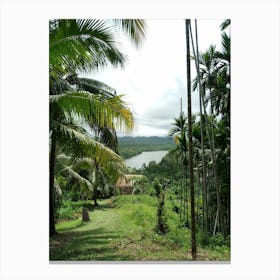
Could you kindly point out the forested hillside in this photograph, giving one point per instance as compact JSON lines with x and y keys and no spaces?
{"x":131,"y":146}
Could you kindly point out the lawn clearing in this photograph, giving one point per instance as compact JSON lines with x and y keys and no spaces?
{"x":123,"y":230}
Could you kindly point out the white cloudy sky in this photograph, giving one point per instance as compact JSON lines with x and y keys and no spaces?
{"x":154,"y":78}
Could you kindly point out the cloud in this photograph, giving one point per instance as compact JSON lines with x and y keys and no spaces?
{"x":154,"y":79}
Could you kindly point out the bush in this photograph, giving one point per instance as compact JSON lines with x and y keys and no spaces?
{"x":70,"y":210}
{"x":203,"y":238}
{"x":67,"y":213}
{"x":218,"y":241}
{"x":161,"y":227}
{"x":213,"y":242}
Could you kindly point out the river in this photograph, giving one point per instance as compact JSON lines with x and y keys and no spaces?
{"x":145,"y":157}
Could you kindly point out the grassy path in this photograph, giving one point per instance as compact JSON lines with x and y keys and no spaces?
{"x":93,"y":240}
{"x":117,"y":234}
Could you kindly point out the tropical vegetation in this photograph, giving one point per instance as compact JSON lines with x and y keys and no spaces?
{"x":178,"y":209}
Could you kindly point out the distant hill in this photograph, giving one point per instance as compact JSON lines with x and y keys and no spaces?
{"x":131,"y":146}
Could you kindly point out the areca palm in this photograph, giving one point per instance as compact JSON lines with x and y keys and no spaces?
{"x":214,"y":74}
{"x":193,"y":223}
{"x":221,"y":87}
{"x":179,"y":133}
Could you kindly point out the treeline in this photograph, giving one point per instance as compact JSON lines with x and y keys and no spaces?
{"x":171,"y":167}
{"x":203,"y":144}
{"x":131,"y":146}
{"x":202,"y":150}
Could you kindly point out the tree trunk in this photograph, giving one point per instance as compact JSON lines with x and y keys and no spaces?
{"x":213,"y":156}
{"x":181,"y":195}
{"x":204,"y":191}
{"x":51,"y":186}
{"x":94,"y":197}
{"x":216,"y":219}
{"x":193,"y":233}
{"x":198,"y":193}
{"x":85,"y":215}
{"x":186,"y":194}
{"x":221,"y":213}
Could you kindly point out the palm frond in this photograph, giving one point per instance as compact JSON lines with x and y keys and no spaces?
{"x":78,"y":178}
{"x":135,"y":29}
{"x":111,"y":112}
{"x":84,"y":44}
{"x":225,"y":24}
{"x":92,"y":86}
{"x":82,"y":144}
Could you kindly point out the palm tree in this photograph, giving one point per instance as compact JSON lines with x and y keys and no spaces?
{"x":63,"y":129}
{"x":187,"y":23}
{"x":83,"y":171}
{"x":179,"y":133}
{"x":204,"y":204}
{"x":89,"y":44}
{"x":214,"y":78}
{"x":75,"y":46}
{"x":221,"y":86}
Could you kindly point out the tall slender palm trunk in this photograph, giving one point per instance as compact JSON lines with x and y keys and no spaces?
{"x":181,"y":194}
{"x":213,"y":156}
{"x":211,"y":142}
{"x":193,"y":229}
{"x":204,"y":192}
{"x":186,"y":194}
{"x":198,"y":193}
{"x":51,"y":186}
{"x":184,"y":191}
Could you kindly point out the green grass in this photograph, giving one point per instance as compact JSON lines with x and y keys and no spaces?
{"x":64,"y":226}
{"x":123,"y":229}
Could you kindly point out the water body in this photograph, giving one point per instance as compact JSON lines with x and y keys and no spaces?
{"x":145,"y":157}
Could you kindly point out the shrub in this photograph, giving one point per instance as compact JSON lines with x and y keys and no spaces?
{"x":70,"y":210}
{"x":219,"y":240}
{"x":162,"y":227}
{"x":203,"y":238}
{"x":66,"y":213}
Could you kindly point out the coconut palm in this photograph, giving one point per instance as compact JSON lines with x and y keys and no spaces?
{"x":89,"y":44}
{"x":84,"y":45}
{"x":65,"y":131}
{"x":82,"y":172}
